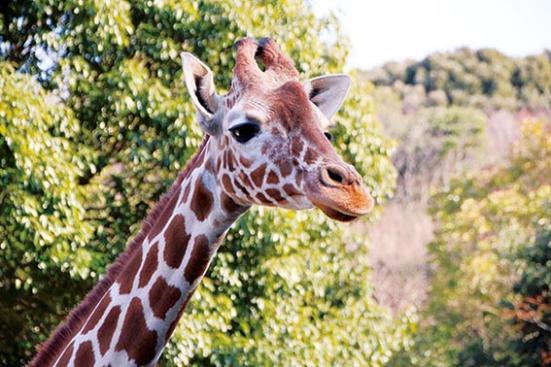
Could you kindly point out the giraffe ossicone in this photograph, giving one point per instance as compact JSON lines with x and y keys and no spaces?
{"x":264,"y":144}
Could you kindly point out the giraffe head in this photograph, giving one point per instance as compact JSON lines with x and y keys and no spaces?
{"x":269,"y":133}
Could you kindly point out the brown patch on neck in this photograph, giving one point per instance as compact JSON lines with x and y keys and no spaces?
{"x":105,"y":332}
{"x":126,"y":279}
{"x":98,"y":313}
{"x":165,"y":216}
{"x":162,"y":297}
{"x":174,"y":323}
{"x":185,"y":196}
{"x":150,"y":265}
{"x":66,"y":357}
{"x":176,"y":241}
{"x":202,"y":200}
{"x":136,"y":339}
{"x":296,"y":146}
{"x":85,"y":355}
{"x":228,"y":204}
{"x":50,"y":350}
{"x":199,"y":259}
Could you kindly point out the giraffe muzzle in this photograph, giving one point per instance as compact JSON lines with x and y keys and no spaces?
{"x":339,"y":192}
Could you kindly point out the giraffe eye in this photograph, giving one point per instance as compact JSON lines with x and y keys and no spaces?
{"x":328,"y":136}
{"x":245,"y":132}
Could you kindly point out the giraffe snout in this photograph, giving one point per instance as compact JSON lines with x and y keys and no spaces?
{"x":338,"y":190}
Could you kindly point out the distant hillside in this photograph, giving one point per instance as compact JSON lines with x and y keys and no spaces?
{"x":483,"y":79}
{"x":450,"y":113}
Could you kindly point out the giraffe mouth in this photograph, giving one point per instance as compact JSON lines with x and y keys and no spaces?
{"x":344,"y":204}
{"x":336,"y":214}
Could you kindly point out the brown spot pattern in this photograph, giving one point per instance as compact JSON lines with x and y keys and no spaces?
{"x":226,"y":182}
{"x":245,"y":162}
{"x":245,"y":179}
{"x":258,"y":175}
{"x":228,"y":204}
{"x":105,"y":332}
{"x":66,"y":357}
{"x":176,"y":240}
{"x":85,"y":355}
{"x":149,"y":265}
{"x":290,"y":190}
{"x":231,"y":165}
{"x":201,"y":201}
{"x":241,"y":187}
{"x":136,"y":339}
{"x":296,"y":146}
{"x":199,"y":259}
{"x":310,"y":155}
{"x":163,"y":297}
{"x":178,"y":315}
{"x":260,"y":196}
{"x":275,"y":194}
{"x":98,"y":313}
{"x":165,"y":215}
{"x":272,"y":178}
{"x":285,"y":168}
{"x":185,"y":196}
{"x":126,"y":279}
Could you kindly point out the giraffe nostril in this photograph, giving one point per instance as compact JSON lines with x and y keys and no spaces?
{"x":334,"y":175}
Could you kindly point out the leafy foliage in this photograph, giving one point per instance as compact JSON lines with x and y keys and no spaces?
{"x":43,"y":229}
{"x":95,"y":124}
{"x":484,"y":78}
{"x":532,"y":312}
{"x":484,"y":222}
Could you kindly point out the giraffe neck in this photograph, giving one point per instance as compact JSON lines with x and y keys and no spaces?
{"x":133,"y":320}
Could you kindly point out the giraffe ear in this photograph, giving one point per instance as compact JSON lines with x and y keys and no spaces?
{"x":200,"y":85}
{"x":328,"y":92}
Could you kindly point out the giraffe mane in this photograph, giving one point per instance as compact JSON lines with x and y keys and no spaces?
{"x":50,"y":350}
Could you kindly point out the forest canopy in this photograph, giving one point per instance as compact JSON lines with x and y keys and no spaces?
{"x":95,"y":123}
{"x":484,"y":78}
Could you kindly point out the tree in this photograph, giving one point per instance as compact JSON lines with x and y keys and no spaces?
{"x":99,"y":84}
{"x":43,"y":230}
{"x":484,"y":221}
{"x":531,"y":313}
{"x":484,"y":78}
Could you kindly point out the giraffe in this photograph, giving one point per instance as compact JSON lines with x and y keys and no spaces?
{"x":264,"y":144}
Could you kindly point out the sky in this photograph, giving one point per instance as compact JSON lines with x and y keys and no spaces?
{"x":395,"y":30}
